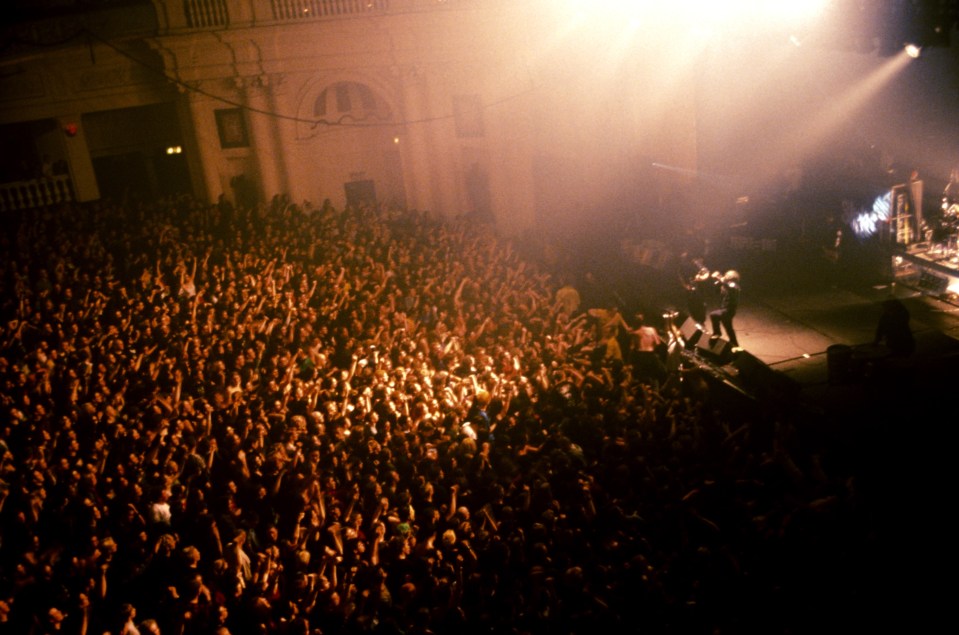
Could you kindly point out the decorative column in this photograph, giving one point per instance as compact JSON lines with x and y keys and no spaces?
{"x":203,"y":154}
{"x":414,"y":143}
{"x":284,"y":134}
{"x":265,"y":139}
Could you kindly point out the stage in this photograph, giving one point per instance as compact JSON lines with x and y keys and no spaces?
{"x":798,"y":321}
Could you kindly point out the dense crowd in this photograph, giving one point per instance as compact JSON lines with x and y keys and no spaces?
{"x":297,"y":419}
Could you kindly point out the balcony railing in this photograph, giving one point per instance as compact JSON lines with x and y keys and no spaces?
{"x":124,"y":18}
{"x":194,"y":15}
{"x":306,"y":9}
{"x":206,"y":14}
{"x":22,"y":195}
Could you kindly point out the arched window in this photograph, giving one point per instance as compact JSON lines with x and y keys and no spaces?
{"x":350,"y":102}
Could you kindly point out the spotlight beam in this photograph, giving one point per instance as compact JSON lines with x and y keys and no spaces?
{"x":800,"y":141}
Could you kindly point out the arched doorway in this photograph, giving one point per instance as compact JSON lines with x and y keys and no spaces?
{"x":354,"y":153}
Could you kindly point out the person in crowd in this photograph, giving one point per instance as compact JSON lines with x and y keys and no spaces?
{"x":309,"y":421}
{"x":647,"y":350}
{"x":893,"y":329}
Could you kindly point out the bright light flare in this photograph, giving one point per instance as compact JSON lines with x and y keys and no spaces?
{"x":733,"y":12}
{"x":913,"y":50}
{"x":755,"y":12}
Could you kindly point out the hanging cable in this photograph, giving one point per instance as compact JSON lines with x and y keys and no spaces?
{"x":339,"y":123}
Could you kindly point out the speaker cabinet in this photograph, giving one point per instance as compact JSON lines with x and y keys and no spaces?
{"x":692,"y":332}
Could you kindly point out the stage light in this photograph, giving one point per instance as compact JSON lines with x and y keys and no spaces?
{"x":913,"y":50}
{"x":865,"y":223}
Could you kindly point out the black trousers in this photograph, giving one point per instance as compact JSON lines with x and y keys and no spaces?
{"x":724,"y":317}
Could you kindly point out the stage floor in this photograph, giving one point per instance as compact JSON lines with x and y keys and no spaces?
{"x":790,"y":328}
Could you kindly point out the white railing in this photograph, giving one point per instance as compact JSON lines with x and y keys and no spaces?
{"x":20,"y":195}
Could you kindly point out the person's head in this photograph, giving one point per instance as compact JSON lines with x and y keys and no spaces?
{"x":127,"y":612}
{"x":55,"y":618}
{"x":449,"y":538}
{"x":482,"y":398}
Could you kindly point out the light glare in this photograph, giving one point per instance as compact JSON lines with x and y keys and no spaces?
{"x":866,"y":223}
{"x":771,"y":12}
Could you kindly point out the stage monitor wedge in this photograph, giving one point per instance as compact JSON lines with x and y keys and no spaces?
{"x":715,"y":349}
{"x":692,"y":332}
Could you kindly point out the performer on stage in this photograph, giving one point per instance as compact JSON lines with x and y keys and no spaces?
{"x":728,"y":304}
{"x":693,"y":275}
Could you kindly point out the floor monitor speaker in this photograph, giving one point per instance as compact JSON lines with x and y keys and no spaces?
{"x":715,"y":349}
{"x":692,"y":332}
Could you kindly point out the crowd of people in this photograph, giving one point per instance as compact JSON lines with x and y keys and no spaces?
{"x":298,"y":419}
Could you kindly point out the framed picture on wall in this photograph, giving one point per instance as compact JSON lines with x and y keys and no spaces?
{"x":232,"y":128}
